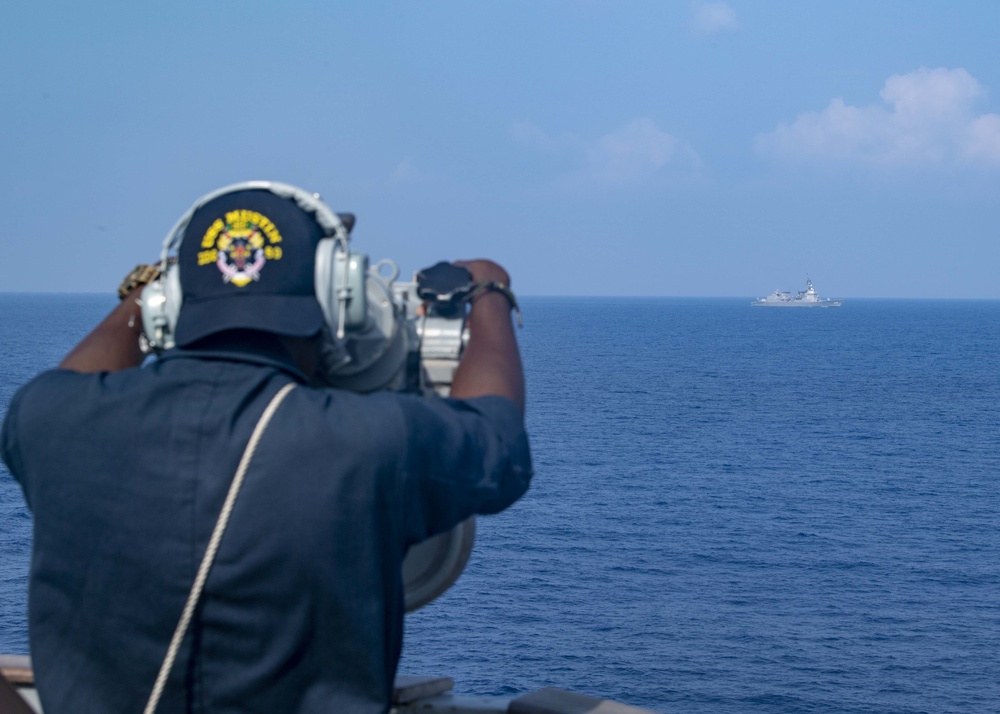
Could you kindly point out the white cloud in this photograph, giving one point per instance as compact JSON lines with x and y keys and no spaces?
{"x":711,"y":18}
{"x":636,"y":149}
{"x":631,"y":153}
{"x":927,"y":118}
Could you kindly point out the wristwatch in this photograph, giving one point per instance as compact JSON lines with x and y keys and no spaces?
{"x":484,"y":286}
{"x":142,"y":274}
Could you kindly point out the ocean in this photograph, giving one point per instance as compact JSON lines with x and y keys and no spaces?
{"x":735,"y":509}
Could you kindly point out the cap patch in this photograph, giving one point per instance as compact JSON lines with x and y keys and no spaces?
{"x":240,"y":246}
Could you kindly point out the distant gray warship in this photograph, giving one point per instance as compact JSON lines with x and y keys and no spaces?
{"x":804,"y":298}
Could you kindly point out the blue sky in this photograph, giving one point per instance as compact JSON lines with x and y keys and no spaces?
{"x":592,"y":147}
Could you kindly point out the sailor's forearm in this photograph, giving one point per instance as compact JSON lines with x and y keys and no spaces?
{"x":491,"y":364}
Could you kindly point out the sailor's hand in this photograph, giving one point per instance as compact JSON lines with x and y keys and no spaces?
{"x":486,"y":270}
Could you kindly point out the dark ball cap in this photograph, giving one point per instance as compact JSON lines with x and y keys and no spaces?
{"x":247,"y":261}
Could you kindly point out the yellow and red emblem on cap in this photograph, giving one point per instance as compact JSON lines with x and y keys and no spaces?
{"x":240,"y":246}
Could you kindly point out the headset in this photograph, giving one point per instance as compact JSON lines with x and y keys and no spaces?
{"x":340,"y":274}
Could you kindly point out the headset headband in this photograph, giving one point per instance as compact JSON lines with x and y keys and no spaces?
{"x":309,"y":202}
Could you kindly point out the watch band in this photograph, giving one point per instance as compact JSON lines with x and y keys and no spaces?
{"x":142,"y":274}
{"x":484,"y":286}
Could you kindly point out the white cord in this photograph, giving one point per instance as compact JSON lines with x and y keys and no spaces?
{"x":213,"y":547}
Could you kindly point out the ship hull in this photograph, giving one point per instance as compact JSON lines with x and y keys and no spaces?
{"x":798,"y":303}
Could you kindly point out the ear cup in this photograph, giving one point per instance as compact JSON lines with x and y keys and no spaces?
{"x":174,"y":297}
{"x":160,"y":304}
{"x":323,"y":277}
{"x":337,"y":271}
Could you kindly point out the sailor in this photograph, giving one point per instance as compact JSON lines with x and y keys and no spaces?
{"x":126,"y":469}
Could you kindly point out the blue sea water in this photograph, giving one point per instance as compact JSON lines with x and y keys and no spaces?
{"x":734,"y":509}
